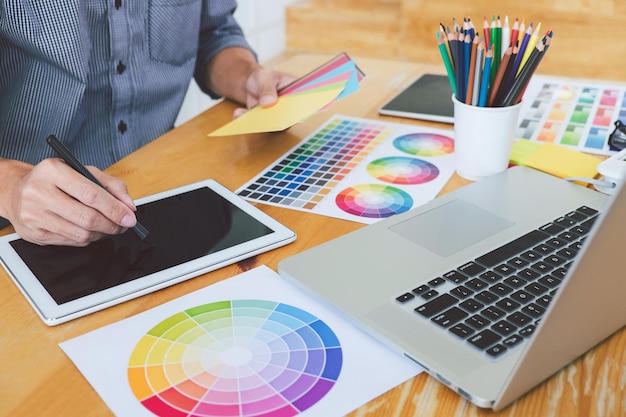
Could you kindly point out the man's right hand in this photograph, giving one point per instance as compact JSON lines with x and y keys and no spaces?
{"x":52,"y":204}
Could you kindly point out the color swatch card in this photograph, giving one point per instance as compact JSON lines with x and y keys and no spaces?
{"x":312,"y":93}
{"x":579,"y":115}
{"x":252,"y":345}
{"x":358,"y":169}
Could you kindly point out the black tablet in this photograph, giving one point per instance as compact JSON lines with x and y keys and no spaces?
{"x":427,"y":98}
{"x":194,"y":229}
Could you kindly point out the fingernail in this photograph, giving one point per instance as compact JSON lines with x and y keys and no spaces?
{"x":128,"y":221}
{"x":267,"y":100}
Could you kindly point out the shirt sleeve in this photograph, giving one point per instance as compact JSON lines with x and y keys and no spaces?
{"x":219,"y":30}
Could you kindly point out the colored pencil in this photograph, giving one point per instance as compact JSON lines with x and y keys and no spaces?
{"x":523,"y":45}
{"x":446,"y":62}
{"x":500,"y":75}
{"x":514,"y":33}
{"x":478,"y":73}
{"x":484,"y":88}
{"x":506,"y":35}
{"x":514,"y":95}
{"x":472,"y":71}
{"x":486,"y":33}
{"x":532,"y":42}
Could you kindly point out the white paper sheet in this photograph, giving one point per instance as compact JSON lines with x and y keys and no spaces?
{"x":243,"y":357}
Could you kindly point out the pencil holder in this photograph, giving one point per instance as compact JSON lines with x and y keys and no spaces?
{"x":483,"y":137}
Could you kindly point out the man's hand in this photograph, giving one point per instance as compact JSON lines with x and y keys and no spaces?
{"x":262,"y":88}
{"x":51,"y":203}
{"x":234,"y":73}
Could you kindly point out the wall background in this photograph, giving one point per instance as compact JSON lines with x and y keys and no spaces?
{"x":263,"y":22}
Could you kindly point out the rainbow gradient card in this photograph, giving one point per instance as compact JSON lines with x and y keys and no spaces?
{"x":573,"y":113}
{"x":312,"y":93}
{"x":358,"y":169}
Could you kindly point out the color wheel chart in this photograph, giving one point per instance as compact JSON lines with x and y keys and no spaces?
{"x":358,"y":169}
{"x":235,"y":358}
{"x":571,"y":113}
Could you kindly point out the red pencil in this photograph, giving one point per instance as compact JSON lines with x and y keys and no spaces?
{"x":487,"y":33}
{"x":514,"y":32}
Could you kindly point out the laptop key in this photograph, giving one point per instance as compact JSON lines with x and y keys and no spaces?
{"x":496,"y":350}
{"x":462,"y":330}
{"x":455,"y":277}
{"x":521,"y":296}
{"x":512,"y":340}
{"x":492,"y":313}
{"x":490,"y":276}
{"x":461,"y":292}
{"x":477,"y":322}
{"x":504,"y":328}
{"x":528,"y":330}
{"x":471,"y":305}
{"x":449,"y":317}
{"x":429,"y":294}
{"x":486,"y":297}
{"x":405,"y":297}
{"x":471,"y":269}
{"x":436,"y":305}
{"x":421,"y":289}
{"x":476,"y":284}
{"x":484,"y":339}
{"x":534,"y":310}
{"x":507,"y":304}
{"x":436,"y":282}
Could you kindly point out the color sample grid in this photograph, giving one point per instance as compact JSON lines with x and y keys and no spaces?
{"x":578,"y":115}
{"x":235,"y":358}
{"x":358,"y":169}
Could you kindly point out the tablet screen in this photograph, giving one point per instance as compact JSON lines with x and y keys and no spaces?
{"x":427,"y":98}
{"x":182,"y":227}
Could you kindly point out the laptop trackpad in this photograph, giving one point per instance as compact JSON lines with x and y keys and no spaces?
{"x":451,"y":227}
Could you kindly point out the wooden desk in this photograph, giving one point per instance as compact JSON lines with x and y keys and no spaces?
{"x":37,"y":378}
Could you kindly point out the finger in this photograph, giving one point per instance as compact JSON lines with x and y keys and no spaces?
{"x":239,"y":112}
{"x":115,"y":186}
{"x":100,"y":211}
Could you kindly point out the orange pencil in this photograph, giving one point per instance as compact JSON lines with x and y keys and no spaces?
{"x":472,"y":71}
{"x":502,"y":69}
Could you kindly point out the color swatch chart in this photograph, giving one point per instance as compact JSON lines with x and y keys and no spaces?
{"x":358,"y":169}
{"x":235,"y":358}
{"x":570,"y":113}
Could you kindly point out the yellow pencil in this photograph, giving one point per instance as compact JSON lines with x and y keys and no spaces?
{"x":532,"y":42}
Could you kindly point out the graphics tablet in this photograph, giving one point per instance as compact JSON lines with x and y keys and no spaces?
{"x":194,"y":229}
{"x":428,"y":98}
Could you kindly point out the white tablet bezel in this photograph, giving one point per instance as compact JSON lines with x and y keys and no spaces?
{"x":52,"y":313}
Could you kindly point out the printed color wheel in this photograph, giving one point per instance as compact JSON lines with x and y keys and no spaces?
{"x":235,"y":358}
{"x":373,"y":200}
{"x":425,"y":144}
{"x":402,"y":170}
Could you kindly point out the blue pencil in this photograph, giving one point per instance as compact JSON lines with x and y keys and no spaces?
{"x":484,"y":88}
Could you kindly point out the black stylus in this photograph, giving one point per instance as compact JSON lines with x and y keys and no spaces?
{"x":73,"y":162}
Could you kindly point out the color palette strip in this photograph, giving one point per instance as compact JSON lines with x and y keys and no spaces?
{"x":358,"y":169}
{"x":235,"y":358}
{"x":574,"y":114}
{"x":308,"y":173}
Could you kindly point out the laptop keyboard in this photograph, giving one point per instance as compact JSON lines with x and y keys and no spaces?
{"x":496,"y":301}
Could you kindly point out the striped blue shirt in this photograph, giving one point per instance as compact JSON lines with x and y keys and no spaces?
{"x":105,"y":76}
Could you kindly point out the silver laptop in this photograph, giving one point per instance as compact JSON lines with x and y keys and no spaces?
{"x":491,"y":288}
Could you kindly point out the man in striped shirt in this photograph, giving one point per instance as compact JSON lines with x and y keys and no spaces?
{"x":106,"y":77}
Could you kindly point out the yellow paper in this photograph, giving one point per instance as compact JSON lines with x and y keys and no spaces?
{"x":555,"y":159}
{"x":287,"y":111}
